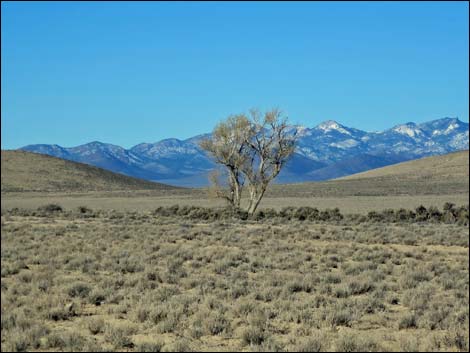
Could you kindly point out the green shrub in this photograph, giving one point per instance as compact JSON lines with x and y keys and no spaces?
{"x":270,"y":213}
{"x":215,"y":324}
{"x":375,"y":216}
{"x":287,"y":212}
{"x":119,"y":336}
{"x":360,"y":286}
{"x":404,"y":215}
{"x":259,"y":215}
{"x":97,"y":297}
{"x":407,"y":321}
{"x":448,"y":207}
{"x":50,"y":208}
{"x":79,"y":289}
{"x":434,"y":214}
{"x":61,"y":313}
{"x":96,"y":325}
{"x":421,"y":213}
{"x":253,"y":335}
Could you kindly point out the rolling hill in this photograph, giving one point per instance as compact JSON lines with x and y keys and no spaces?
{"x":452,"y":166}
{"x":437,"y":175}
{"x":25,"y":171}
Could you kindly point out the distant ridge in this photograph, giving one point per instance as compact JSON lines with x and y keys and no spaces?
{"x":26,"y":171}
{"x":327,"y":151}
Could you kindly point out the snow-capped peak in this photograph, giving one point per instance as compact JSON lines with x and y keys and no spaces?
{"x":331,"y":125}
{"x":409,"y":129}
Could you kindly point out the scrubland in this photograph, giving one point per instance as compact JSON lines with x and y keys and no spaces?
{"x":195,"y":279}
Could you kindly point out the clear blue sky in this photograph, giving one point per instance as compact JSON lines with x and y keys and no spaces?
{"x":129,"y":72}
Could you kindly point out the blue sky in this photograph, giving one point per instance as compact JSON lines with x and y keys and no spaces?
{"x":130,"y":72}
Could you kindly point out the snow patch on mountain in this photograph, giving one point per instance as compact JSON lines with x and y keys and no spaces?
{"x":331,"y":125}
{"x":307,"y":152}
{"x":447,"y":131}
{"x":166,"y":148}
{"x":409,"y":129}
{"x":460,"y":141}
{"x":302,"y":131}
{"x":349,"y":143}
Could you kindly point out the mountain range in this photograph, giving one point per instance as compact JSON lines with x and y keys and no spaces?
{"x":327,"y":151}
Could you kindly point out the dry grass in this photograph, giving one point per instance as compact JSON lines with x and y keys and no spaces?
{"x":126,"y":278}
{"x":31,"y":172}
{"x":438,"y":175}
{"x":453,"y":165}
{"x":132,"y":281}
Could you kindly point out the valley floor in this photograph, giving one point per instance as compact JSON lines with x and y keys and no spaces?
{"x":146,"y":201}
{"x":137,"y":282}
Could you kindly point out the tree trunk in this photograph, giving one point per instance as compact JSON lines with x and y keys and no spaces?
{"x":235,"y":190}
{"x":252,"y":197}
{"x":237,"y":195}
{"x":255,"y":199}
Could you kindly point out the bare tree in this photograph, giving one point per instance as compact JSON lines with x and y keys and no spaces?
{"x":252,"y":149}
{"x":271,"y":144}
{"x":227,"y":145}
